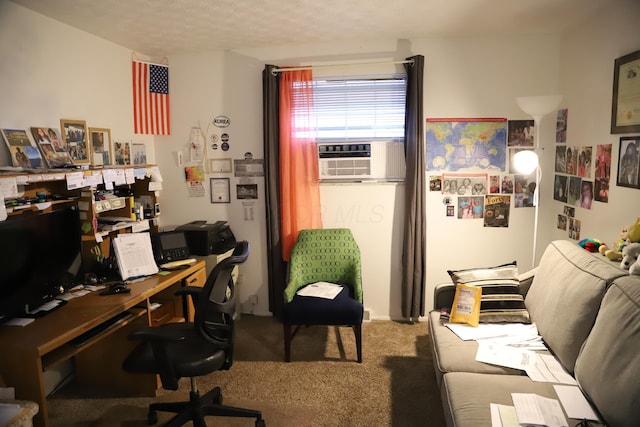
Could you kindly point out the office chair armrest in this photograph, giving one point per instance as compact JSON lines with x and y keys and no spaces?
{"x":157,"y":334}
{"x":192,"y":291}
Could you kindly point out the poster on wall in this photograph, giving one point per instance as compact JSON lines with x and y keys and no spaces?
{"x":460,"y":145}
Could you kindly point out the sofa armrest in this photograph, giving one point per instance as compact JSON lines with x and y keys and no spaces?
{"x":443,"y":295}
{"x":525,"y":280}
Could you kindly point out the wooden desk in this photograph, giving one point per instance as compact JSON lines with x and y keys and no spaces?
{"x":28,"y":351}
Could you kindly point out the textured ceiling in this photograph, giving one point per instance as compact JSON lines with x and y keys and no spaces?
{"x":163,"y":27}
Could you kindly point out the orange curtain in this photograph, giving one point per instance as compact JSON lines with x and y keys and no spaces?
{"x":299,"y":178}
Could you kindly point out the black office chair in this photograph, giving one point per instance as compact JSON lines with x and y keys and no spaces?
{"x":193,"y":349}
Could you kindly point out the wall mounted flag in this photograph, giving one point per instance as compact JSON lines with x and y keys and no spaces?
{"x":150,"y":98}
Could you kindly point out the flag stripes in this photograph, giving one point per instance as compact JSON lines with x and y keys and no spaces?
{"x":150,"y":98}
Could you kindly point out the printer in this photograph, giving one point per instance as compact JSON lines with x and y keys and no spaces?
{"x":206,"y":239}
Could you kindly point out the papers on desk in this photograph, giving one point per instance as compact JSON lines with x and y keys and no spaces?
{"x":8,"y":411}
{"x":134,"y":255}
{"x":320,"y":290}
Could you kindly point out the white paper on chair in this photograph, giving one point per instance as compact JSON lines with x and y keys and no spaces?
{"x":320,"y":290}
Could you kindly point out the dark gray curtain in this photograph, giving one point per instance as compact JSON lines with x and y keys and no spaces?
{"x":413,"y":254}
{"x":271,"y":133}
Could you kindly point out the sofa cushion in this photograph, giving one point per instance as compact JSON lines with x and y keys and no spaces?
{"x":501,"y":298}
{"x":608,"y":366}
{"x":565,"y":296}
{"x":466,"y":396}
{"x":451,"y":354}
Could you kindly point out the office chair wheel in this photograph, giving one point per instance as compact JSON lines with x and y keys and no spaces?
{"x":152,"y":418}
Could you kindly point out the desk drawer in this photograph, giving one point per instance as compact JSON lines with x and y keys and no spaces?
{"x":162,"y":314}
{"x":199,"y":278}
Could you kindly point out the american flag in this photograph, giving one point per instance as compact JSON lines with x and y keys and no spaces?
{"x":150,"y":98}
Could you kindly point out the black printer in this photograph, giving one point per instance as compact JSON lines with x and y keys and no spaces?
{"x":206,"y":239}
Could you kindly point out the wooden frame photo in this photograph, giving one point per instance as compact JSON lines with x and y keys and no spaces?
{"x":122,"y":153}
{"x":101,"y":154}
{"x":139,"y":153}
{"x":625,"y":108}
{"x":220,"y":190}
{"x":53,"y":150}
{"x":629,"y":162}
{"x":75,"y":137}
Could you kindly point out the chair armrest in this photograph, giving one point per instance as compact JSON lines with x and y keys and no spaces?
{"x":157,"y":334}
{"x":443,"y":295}
{"x":192,"y":291}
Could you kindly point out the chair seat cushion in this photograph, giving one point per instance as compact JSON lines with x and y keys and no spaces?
{"x":342,"y":310}
{"x":190,"y":357}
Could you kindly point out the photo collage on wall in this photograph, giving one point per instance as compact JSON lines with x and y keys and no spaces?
{"x":456,"y":146}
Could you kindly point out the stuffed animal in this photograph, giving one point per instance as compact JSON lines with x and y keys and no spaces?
{"x":630,"y":255}
{"x":627,"y":236}
{"x":591,"y":245}
{"x":634,"y":269}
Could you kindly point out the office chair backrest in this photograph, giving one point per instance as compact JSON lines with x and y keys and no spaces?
{"x":216,"y":307}
{"x":329,"y":255}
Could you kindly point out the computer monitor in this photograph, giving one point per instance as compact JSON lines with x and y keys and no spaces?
{"x":40,"y":256}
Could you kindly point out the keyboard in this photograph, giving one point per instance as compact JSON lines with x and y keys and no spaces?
{"x":177,"y":264}
{"x":103,"y":327}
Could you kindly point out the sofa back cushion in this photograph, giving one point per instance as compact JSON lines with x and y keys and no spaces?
{"x":565,"y":296}
{"x":608,"y":367}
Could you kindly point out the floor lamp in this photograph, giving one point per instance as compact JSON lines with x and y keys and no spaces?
{"x":526,"y":161}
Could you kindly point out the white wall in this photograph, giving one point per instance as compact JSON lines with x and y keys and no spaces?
{"x":50,"y":71}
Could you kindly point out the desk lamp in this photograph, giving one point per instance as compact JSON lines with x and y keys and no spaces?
{"x":526,"y":161}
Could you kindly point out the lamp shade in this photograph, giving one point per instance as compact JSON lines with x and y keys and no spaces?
{"x":539,"y":105}
{"x":525,"y":161}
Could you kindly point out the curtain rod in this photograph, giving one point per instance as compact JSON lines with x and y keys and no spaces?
{"x":310,"y":67}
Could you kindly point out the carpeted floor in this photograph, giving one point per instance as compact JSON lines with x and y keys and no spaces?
{"x":323,"y":385}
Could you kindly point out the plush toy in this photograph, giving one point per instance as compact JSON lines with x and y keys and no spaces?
{"x":630,"y":255}
{"x":627,"y":236}
{"x":635,"y":268}
{"x":591,"y":245}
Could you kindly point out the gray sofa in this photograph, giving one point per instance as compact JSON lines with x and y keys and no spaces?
{"x":587,"y":311}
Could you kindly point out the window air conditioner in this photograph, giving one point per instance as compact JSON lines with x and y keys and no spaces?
{"x":362,"y":161}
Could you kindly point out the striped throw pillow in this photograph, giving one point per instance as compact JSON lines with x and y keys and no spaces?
{"x":501,"y":300}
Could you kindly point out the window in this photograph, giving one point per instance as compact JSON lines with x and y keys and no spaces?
{"x":357,"y":109}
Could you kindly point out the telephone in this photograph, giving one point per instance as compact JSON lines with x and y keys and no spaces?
{"x":169,"y":246}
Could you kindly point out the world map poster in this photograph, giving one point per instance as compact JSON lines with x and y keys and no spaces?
{"x":464,"y":145}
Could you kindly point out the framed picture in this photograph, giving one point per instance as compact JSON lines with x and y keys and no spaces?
{"x":625,"y":109}
{"x":100,"y":146}
{"x":53,"y":150}
{"x":122,"y":153}
{"x":220,"y":165}
{"x":629,"y":162}
{"x":139,"y":153}
{"x":74,"y":135}
{"x":220,"y":192}
{"x":24,"y":153}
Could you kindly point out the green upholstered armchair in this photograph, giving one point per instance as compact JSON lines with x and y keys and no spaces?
{"x":324,"y":255}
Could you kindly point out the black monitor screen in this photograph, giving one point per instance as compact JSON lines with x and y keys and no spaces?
{"x":39,"y":255}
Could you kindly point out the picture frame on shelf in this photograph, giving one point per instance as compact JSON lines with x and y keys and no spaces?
{"x":629,"y":162}
{"x":139,"y":153}
{"x":122,"y":152}
{"x":625,"y":106}
{"x":75,"y":136}
{"x":24,"y":152}
{"x":220,"y":190}
{"x":53,"y":150}
{"x":101,"y":154}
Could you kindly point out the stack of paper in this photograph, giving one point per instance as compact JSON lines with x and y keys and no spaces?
{"x":134,"y":255}
{"x":320,"y":290}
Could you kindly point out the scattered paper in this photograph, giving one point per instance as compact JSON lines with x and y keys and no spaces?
{"x":503,"y":416}
{"x":533,"y":409}
{"x":547,"y":369}
{"x":502,"y":355}
{"x":320,"y":290}
{"x":574,"y":403}
{"x":19,"y":321}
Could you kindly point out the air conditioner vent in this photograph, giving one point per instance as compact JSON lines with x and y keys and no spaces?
{"x":379,"y":160}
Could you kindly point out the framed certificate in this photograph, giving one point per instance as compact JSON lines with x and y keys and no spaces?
{"x":220,"y":192}
{"x":625,"y":109}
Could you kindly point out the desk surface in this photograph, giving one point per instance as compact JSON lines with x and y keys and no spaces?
{"x":27,"y":351}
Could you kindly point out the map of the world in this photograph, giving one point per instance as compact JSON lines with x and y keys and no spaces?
{"x":466,"y":145}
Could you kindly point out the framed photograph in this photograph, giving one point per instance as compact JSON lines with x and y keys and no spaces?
{"x":122,"y":153}
{"x":75,"y":137}
{"x":24,"y":153}
{"x":100,"y":146}
{"x":139,"y":153}
{"x":53,"y":150}
{"x":628,"y":162}
{"x":220,"y":165}
{"x":220,"y":192}
{"x":625,"y":108}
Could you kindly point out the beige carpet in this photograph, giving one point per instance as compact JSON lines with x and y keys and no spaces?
{"x":322,"y":386}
